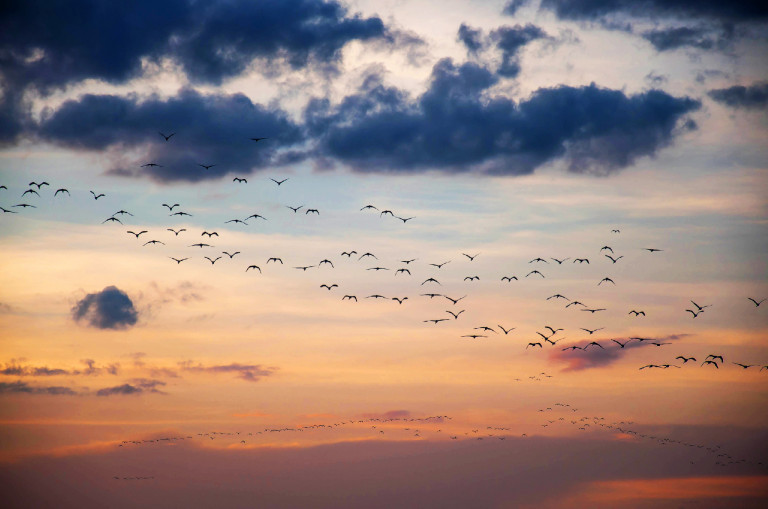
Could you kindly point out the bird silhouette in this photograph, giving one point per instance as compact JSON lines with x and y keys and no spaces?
{"x":240,"y":180}
{"x":455,"y":301}
{"x":615,"y":231}
{"x":455,"y":315}
{"x":581,"y":260}
{"x":694,"y":313}
{"x":151,"y":165}
{"x":170,"y":207}
{"x":408,"y":261}
{"x":167,"y":137}
{"x":62,"y":190}
{"x":180,"y":213}
{"x":685,"y":359}
{"x":744,"y":366}
{"x":509,"y":278}
{"x":258,"y":139}
{"x":176,"y":232}
{"x":369,"y":207}
{"x":712,"y":363}
{"x":275,"y":259}
{"x":575,"y":303}
{"x":558,"y":296}
{"x":231,"y":255}
{"x":154,"y":242}
{"x":400,"y":300}
{"x":136,"y":234}
{"x":474,"y":336}
{"x":701,"y":308}
{"x":538,"y":260}
{"x":294,"y":209}
{"x":472,"y":278}
{"x":430,"y":280}
{"x":593,"y":343}
{"x":652,"y":249}
{"x":559,"y":262}
{"x":591,"y":331}
{"x":614,"y":260}
{"x":436,"y":320}
{"x":636,"y":313}
{"x":315,"y":211}
{"x":8,"y":211}
{"x":97,"y":196}
{"x":328,"y":287}
{"x":200,"y":245}
{"x":349,"y":297}
{"x":30,"y":191}
{"x":534,"y":272}
{"x":404,"y":219}
{"x":278,"y":182}
{"x":39,"y":185}
{"x":534,"y":345}
{"x":593,"y":311}
{"x":715,"y":357}
{"x":606,"y":279}
{"x":305,"y":267}
{"x":506,"y":331}
{"x":206,"y":166}
{"x":622,"y":345}
{"x":253,"y":267}
{"x":329,"y":262}
{"x":440,"y":265}
{"x":471,"y":258}
{"x":210,"y":234}
{"x":212,"y":260}
{"x":573,"y":347}
{"x":112,"y":219}
{"x":756,"y":303}
{"x":178,"y":260}
{"x":403,"y":271}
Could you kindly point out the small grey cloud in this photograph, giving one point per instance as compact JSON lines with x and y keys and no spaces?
{"x":249,"y":372}
{"x":739,"y":96}
{"x":472,"y":38}
{"x":24,"y":388}
{"x":511,"y":7}
{"x":110,"y":308}
{"x":136,"y":386}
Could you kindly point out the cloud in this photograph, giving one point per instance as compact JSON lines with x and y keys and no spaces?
{"x":739,"y":96}
{"x":472,"y":38}
{"x":512,"y":6}
{"x":392,"y":414}
{"x":510,"y":40}
{"x":110,"y":308}
{"x":91,"y":368}
{"x":595,"y":357}
{"x":211,"y":129}
{"x":666,"y":39}
{"x":682,"y":9}
{"x":249,"y":372}
{"x":23,"y":387}
{"x":137,"y":386}
{"x":13,"y":368}
{"x":456,"y":125}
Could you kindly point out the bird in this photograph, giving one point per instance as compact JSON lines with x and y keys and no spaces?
{"x":538,"y":260}
{"x":637,"y":313}
{"x":8,"y":211}
{"x":715,"y":357}
{"x":206,"y":166}
{"x":210,"y":234}
{"x":430,"y":280}
{"x":472,"y":278}
{"x":756,"y":303}
{"x":236,"y":221}
{"x":440,"y":265}
{"x":486,"y":328}
{"x":509,"y":278}
{"x":615,"y":231}
{"x":305,"y":267}
{"x":240,"y":180}
{"x":473,"y":336}
{"x":455,"y":315}
{"x":652,"y":249}
{"x":534,"y":272}
{"x":471,"y":258}
{"x":137,"y":234}
{"x":404,"y":219}
{"x":408,"y":261}
{"x":558,"y":296}
{"x":574,"y":347}
{"x":253,"y":267}
{"x":177,"y":260}
{"x":200,"y":245}
{"x":431,"y":295}
{"x":650,"y":366}
{"x":383,"y":212}
{"x":231,"y":255}
{"x":176,"y":231}
{"x":455,"y":301}
{"x":170,"y":207}
{"x":593,"y":311}
{"x":312,"y":210}
{"x":258,"y":139}
{"x":554,"y":331}
{"x":575,"y":303}
{"x":581,"y":260}
{"x":369,"y":207}
{"x":329,"y":262}
{"x":334,"y":285}
{"x":166,"y":137}
{"x":97,"y":196}
{"x":294,"y":209}
{"x":30,"y":191}
{"x":151,"y":165}
{"x":560,"y":262}
{"x":701,"y":308}
{"x":275,"y":259}
{"x":402,"y":270}
{"x":39,"y":185}
{"x":622,"y":345}
{"x":534,"y":345}
{"x":745,"y":366}
{"x":685,"y":359}
{"x":122,"y":212}
{"x":278,"y":182}
{"x":606,"y":248}
{"x":112,"y":219}
{"x":62,"y":190}
{"x":659,"y":344}
{"x":606,"y":279}
{"x":614,"y":260}
{"x":400,"y":300}
{"x":377,"y":268}
{"x":594,"y":343}
{"x":154,"y":242}
{"x":591,"y":331}
{"x":436,"y":320}
{"x":694,"y":313}
{"x":711,"y":362}
{"x":376,"y":296}
{"x":212,"y":260}
{"x":349,"y":297}
{"x":180,"y":213}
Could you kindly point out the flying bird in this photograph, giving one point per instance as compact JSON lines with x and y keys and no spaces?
{"x":113,"y":218}
{"x":240,"y":180}
{"x":560,"y":262}
{"x":756,"y":303}
{"x":455,"y":301}
{"x":258,"y":139}
{"x":622,"y":345}
{"x":506,"y":331}
{"x":200,"y":245}
{"x":437,"y":320}
{"x":404,"y":219}
{"x":575,"y":303}
{"x":210,"y":234}
{"x":255,"y":216}
{"x":206,"y":166}
{"x":473,"y":336}
{"x":471,"y":258}
{"x":334,"y":285}
{"x":349,"y":297}
{"x":711,"y":362}
{"x":701,"y":308}
{"x":538,"y":260}
{"x":604,"y":280}
{"x":213,"y":260}
{"x":329,"y":262}
{"x":177,"y":260}
{"x":180,"y":213}
{"x":8,"y":211}
{"x":614,"y":260}
{"x":430,"y":280}
{"x":369,"y":207}
{"x":97,"y":196}
{"x":305,"y":267}
{"x":294,"y":209}
{"x":593,"y":343}
{"x":30,"y":191}
{"x":167,"y":137}
{"x":558,"y":296}
{"x":581,"y":260}
{"x":472,"y":278}
{"x":253,"y":267}
{"x":312,"y":210}
{"x":636,"y":313}
{"x":151,"y":165}
{"x":62,"y":190}
{"x":455,"y":315}
{"x":652,"y":249}
{"x":593,"y":311}
{"x":534,"y":272}
{"x":440,"y":265}
{"x":591,"y":331}
{"x":715,"y":357}
{"x":170,"y":207}
{"x":278,"y":182}
{"x":39,"y":185}
{"x":408,"y":261}
{"x":400,"y":300}
{"x":615,"y":231}
{"x":685,"y":359}
{"x":509,"y":278}
{"x":232,"y":255}
{"x":534,"y":345}
{"x":402,"y":270}
{"x":176,"y":231}
{"x":137,"y":234}
{"x":154,"y":242}
{"x":745,"y":366}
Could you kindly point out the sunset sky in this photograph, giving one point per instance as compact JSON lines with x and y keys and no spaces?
{"x":587,"y":134}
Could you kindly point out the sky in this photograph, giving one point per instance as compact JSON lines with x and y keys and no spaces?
{"x":312,"y":253}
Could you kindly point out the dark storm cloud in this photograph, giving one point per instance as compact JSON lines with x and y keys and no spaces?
{"x":454,"y":126}
{"x":747,"y":10}
{"x":510,"y":40}
{"x":249,"y":372}
{"x":211,"y":129}
{"x":596,"y":357}
{"x":225,"y":37}
{"x":137,"y":386}
{"x":110,"y":308}
{"x":666,"y":39}
{"x":511,"y":7}
{"x":472,"y":38}
{"x":750,"y":97}
{"x":24,"y":388}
